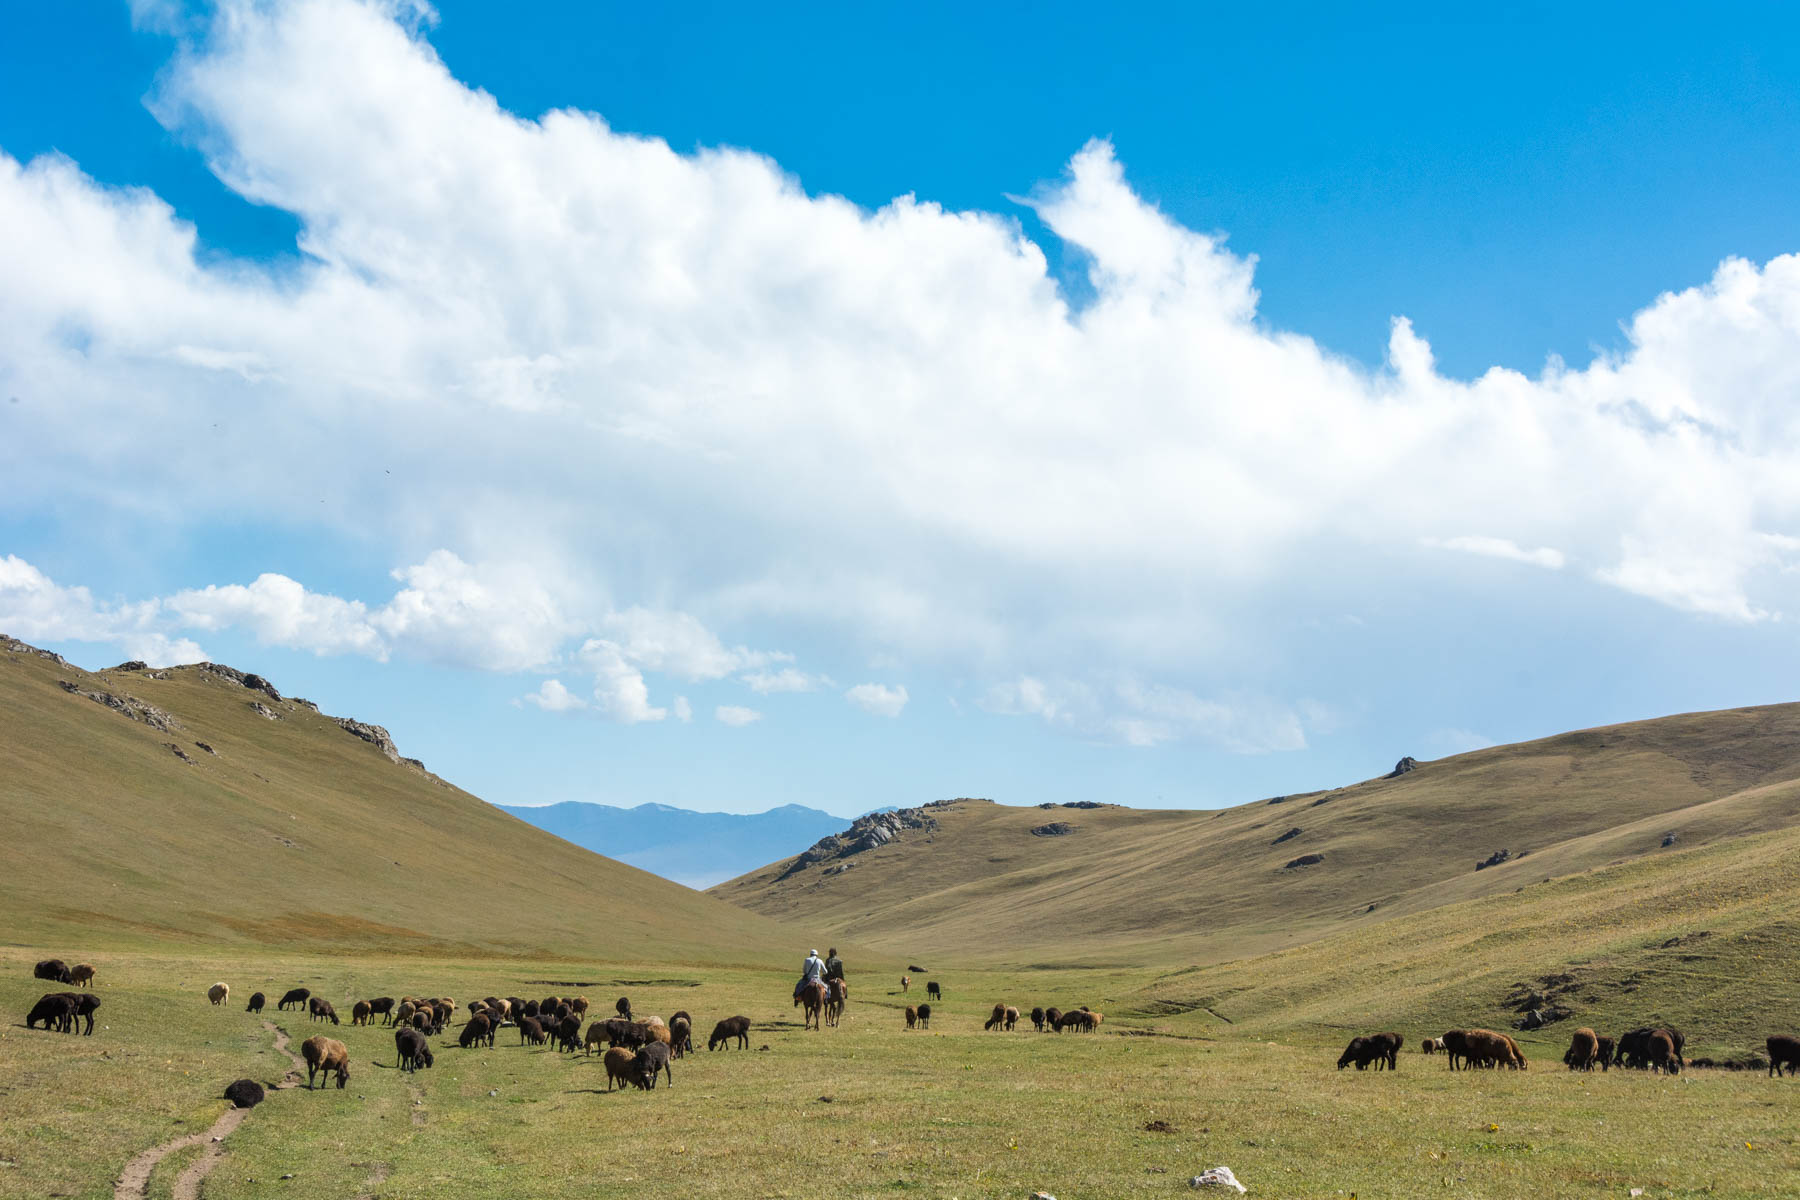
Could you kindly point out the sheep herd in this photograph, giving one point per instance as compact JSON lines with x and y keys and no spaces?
{"x":1657,"y":1049}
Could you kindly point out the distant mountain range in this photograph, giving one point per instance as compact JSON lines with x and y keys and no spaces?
{"x":698,"y":849}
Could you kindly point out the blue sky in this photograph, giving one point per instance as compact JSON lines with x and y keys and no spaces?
{"x":1101,"y":469}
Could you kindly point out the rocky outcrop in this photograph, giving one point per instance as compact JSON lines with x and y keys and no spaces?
{"x":126,"y":706}
{"x":178,"y":752}
{"x":255,"y":683}
{"x":264,"y":711}
{"x":1403,"y":767}
{"x":865,"y":833}
{"x":1305,"y":860}
{"x":1493,"y":860}
{"x":1289,"y":836}
{"x":375,"y":735}
{"x":136,"y":664}
{"x":14,"y":646}
{"x":1053,"y":829}
{"x":207,"y":748}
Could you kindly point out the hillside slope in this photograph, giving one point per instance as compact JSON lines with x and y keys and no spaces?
{"x":1124,"y":885}
{"x":198,"y":804}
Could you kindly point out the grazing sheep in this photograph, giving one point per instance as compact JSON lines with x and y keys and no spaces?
{"x":326,"y":1056}
{"x":933,"y":990}
{"x":652,"y":1059}
{"x":530,"y":1030}
{"x":1454,"y":1044}
{"x":924,"y":1016}
{"x":623,"y":1007}
{"x":1583,"y":1049}
{"x":257,"y":1000}
{"x":1482,"y":1048}
{"x":1012,"y":1018}
{"x":1608,"y":1049}
{"x":1635,"y":1047}
{"x":403,"y":1015}
{"x":596,"y":1034}
{"x":383,"y":1006}
{"x":218,"y":993}
{"x":1662,"y":1054}
{"x":55,"y":1009}
{"x":1389,"y":1045}
{"x":244,"y":1093}
{"x":531,"y":1008}
{"x":1518,"y":1056}
{"x":81,"y":975}
{"x":905,"y":984}
{"x":1052,"y":1016}
{"x":1784,"y":1051}
{"x":319,"y":1009}
{"x":422,"y":1022}
{"x":579,"y":1006}
{"x":412,"y":1048}
{"x":85,"y":1003}
{"x":568,"y":1033}
{"x":619,"y":1069}
{"x":997,"y":1019}
{"x":1360,"y":1052}
{"x":548,"y":1004}
{"x":296,"y":997}
{"x":476,"y":1030}
{"x":440,"y":1015}
{"x":681,"y":1037}
{"x":1428,"y":1046}
{"x":1081,"y":1021}
{"x":730,"y":1028}
{"x":912,"y":1016}
{"x":1037,"y":1019}
{"x":360,"y":1012}
{"x":53,"y":969}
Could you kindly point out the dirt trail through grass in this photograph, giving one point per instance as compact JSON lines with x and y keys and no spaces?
{"x":134,"y":1181}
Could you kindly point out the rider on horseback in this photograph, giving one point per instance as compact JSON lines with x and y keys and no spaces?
{"x":812,"y":970}
{"x":834,"y":966}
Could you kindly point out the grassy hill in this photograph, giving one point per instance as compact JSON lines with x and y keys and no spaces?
{"x":292,"y":830}
{"x":1144,"y":887}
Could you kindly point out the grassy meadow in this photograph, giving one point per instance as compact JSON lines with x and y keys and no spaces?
{"x":866,"y":1109}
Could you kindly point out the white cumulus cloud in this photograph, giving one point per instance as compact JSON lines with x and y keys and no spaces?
{"x":877,"y":699}
{"x":736,"y":714}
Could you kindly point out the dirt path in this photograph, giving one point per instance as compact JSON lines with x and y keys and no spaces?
{"x":134,"y":1181}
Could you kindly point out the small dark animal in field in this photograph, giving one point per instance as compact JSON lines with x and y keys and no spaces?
{"x":412,"y":1049}
{"x":244,"y":1093}
{"x":1390,"y":1045}
{"x":730,"y":1029}
{"x":218,"y":993}
{"x":326,"y":1056}
{"x":81,"y":975}
{"x":623,"y":1007}
{"x":1012,"y":1018}
{"x":296,"y":997}
{"x":85,"y":1003}
{"x":56,"y":1010}
{"x":568,"y":1033}
{"x":912,"y":1016}
{"x":257,"y":1000}
{"x":1662,"y":1053}
{"x":53,"y":969}
{"x":579,"y":1006}
{"x":596,"y":1034}
{"x":933,"y":990}
{"x":440,"y":1015}
{"x":360,"y":1013}
{"x":652,"y":1059}
{"x":1635,"y":1046}
{"x":997,"y":1019}
{"x":422,"y":1022}
{"x":320,"y":1009}
{"x":1051,"y":1016}
{"x":924,"y":1016}
{"x":476,"y":1030}
{"x":681,"y":1036}
{"x":531,"y":1008}
{"x":1607,"y":1050}
{"x":530,"y":1030}
{"x":619,"y":1069}
{"x":1428,"y":1046}
{"x":383,"y":1006}
{"x":1784,"y":1052}
{"x":905,"y":984}
{"x":1359,"y":1052}
{"x":1081,"y":1021}
{"x":1037,"y":1019}
{"x":1584,"y":1049}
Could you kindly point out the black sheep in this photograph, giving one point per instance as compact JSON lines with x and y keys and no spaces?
{"x":257,"y":1000}
{"x":85,"y":1003}
{"x":53,"y":969}
{"x":478,"y":1029}
{"x":530,"y":1030}
{"x":297,"y":997}
{"x":412,"y":1048}
{"x":55,"y":1009}
{"x":244,"y":1093}
{"x":729,"y":1030}
{"x":568,"y":1034}
{"x":650,"y":1060}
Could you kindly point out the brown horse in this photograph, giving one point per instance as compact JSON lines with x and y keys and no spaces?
{"x":812,"y":996}
{"x":834,"y":1003}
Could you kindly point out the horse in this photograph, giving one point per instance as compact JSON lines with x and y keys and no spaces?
{"x":834,"y":1004}
{"x":812,"y":996}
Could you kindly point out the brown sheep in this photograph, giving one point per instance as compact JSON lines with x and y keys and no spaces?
{"x":404,"y":1013}
{"x":219,"y":993}
{"x":1012,"y":1018}
{"x":924,"y":1016}
{"x":530,"y":1030}
{"x":476,"y":1030}
{"x":1584,"y":1048}
{"x":912,"y":1016}
{"x":1784,"y":1052}
{"x":326,"y":1056}
{"x":905,"y":984}
{"x":1485,"y":1048}
{"x":1051,"y":1016}
{"x":1517,"y":1062}
{"x":997,"y":1019}
{"x":319,"y":1009}
{"x":81,"y":975}
{"x":1662,"y":1055}
{"x":579,"y":1006}
{"x":1081,"y":1021}
{"x":360,"y":1012}
{"x":383,"y":1006}
{"x":681,"y":1036}
{"x":596,"y":1036}
{"x":1428,"y":1046}
{"x":729,"y":1030}
{"x":619,"y":1070}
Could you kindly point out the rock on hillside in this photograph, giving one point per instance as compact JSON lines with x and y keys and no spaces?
{"x":865,"y":833}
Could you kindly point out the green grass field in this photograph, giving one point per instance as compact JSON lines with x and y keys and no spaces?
{"x":867,"y":1109}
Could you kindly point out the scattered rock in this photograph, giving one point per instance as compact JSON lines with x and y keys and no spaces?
{"x":303,"y":703}
{"x":15,"y":646}
{"x":245,"y":1093}
{"x":1289,"y":836}
{"x":257,"y":683}
{"x":1158,"y":1126}
{"x":1668,"y":839}
{"x":136,"y":664}
{"x":1088,"y":804}
{"x":1305,"y":860}
{"x":1053,"y":829}
{"x":207,"y":748}
{"x":865,"y":833}
{"x":178,"y":752}
{"x":125,"y":706}
{"x":1277,"y":800}
{"x":1405,"y":766}
{"x":375,"y":735}
{"x":1493,"y":860}
{"x":1219,"y":1177}
{"x":827,"y":1100}
{"x":264,"y":711}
